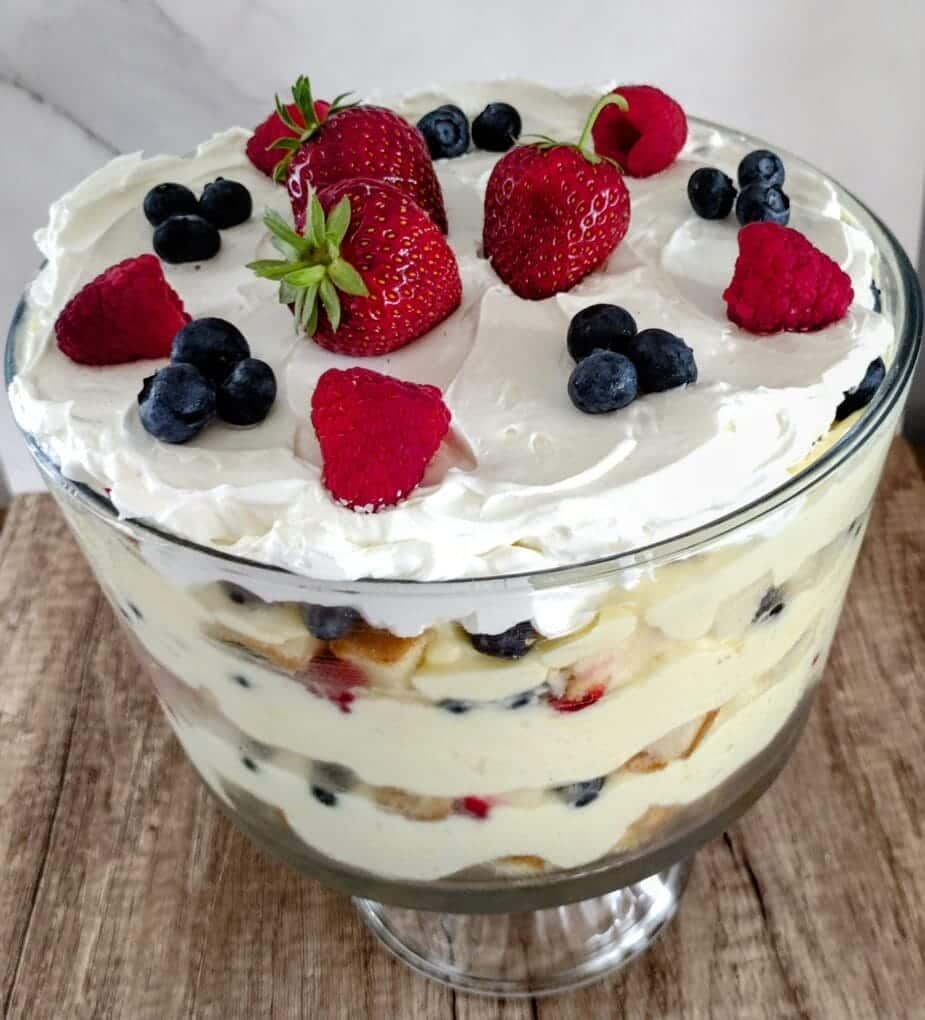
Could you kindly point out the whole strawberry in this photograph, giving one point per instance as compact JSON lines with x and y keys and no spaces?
{"x":377,"y":435}
{"x":370,"y":273}
{"x":647,"y":135}
{"x":127,"y":313}
{"x":783,"y":282}
{"x":553,"y":213}
{"x":354,"y":141}
{"x":261,"y":149}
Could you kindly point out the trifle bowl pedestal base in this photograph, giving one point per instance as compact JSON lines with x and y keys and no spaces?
{"x":538,"y":952}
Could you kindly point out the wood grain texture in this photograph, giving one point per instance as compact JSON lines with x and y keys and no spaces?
{"x":125,"y":894}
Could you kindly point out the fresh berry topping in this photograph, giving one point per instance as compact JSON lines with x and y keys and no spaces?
{"x":663,"y":360}
{"x":603,"y":382}
{"x":247,"y":394}
{"x":862,"y":394}
{"x":446,"y":131}
{"x":513,"y":643}
{"x":165,"y":200}
{"x":762,"y":167}
{"x":225,"y":203}
{"x":331,"y":623}
{"x":761,"y":203}
{"x":497,"y":127}
{"x":584,"y":700}
{"x":711,"y":193}
{"x":583,"y":793}
{"x":377,"y":435}
{"x":553,"y":213}
{"x":599,"y":327}
{"x":334,"y":680}
{"x":186,"y":238}
{"x":371,"y":273}
{"x":127,"y":313}
{"x":771,"y":604}
{"x":357,"y":141}
{"x":645,"y":137}
{"x":176,"y":403}
{"x":782,"y":282}
{"x":455,"y":706}
{"x":477,"y":807}
{"x":213,"y":345}
{"x":260,"y":146}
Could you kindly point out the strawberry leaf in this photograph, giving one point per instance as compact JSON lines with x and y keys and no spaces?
{"x":346,"y":278}
{"x":331,"y":302}
{"x":316,"y":216}
{"x":338,"y":221}
{"x":306,"y":277}
{"x":271,"y":269}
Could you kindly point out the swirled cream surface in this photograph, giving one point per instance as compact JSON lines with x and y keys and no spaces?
{"x":529,"y":481}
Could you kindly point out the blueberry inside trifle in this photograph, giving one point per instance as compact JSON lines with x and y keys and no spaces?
{"x":434,"y":445}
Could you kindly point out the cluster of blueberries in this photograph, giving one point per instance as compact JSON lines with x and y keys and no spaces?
{"x":186,"y":228}
{"x":446,"y":130}
{"x":616,"y":362}
{"x":210,"y":373}
{"x":761,"y":196}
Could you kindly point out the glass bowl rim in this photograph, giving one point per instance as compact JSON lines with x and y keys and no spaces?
{"x":899,"y":372}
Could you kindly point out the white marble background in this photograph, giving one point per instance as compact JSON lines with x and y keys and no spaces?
{"x":840,"y":81}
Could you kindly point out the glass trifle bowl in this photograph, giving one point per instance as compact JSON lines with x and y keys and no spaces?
{"x":514,"y":813}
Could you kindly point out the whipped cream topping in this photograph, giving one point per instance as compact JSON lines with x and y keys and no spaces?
{"x":528,"y":482}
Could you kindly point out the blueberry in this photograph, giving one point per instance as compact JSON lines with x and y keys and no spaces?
{"x":583,"y":793}
{"x":862,"y":394}
{"x":875,"y":291}
{"x":166,"y":200}
{"x":214,"y":346}
{"x":497,"y":127}
{"x":246,"y":396}
{"x":241,"y":680}
{"x":771,"y":604}
{"x":759,"y":203}
{"x":446,"y":131}
{"x":225,"y":203}
{"x":176,"y":403}
{"x":186,"y":238}
{"x":603,"y":382}
{"x":325,"y":796}
{"x":599,"y":327}
{"x":525,"y":698}
{"x":663,"y":361}
{"x":329,"y":623}
{"x":513,"y":643}
{"x":711,"y":193}
{"x":455,"y":706}
{"x":249,"y":763}
{"x":762,"y":166}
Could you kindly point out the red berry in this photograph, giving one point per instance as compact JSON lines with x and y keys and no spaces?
{"x":647,"y":137}
{"x":783,"y":282}
{"x":127,"y":313}
{"x":377,"y":435}
{"x":551,"y":217}
{"x":477,"y":807}
{"x":366,"y":141}
{"x":334,"y":680}
{"x":586,"y":699}
{"x":269,"y":130}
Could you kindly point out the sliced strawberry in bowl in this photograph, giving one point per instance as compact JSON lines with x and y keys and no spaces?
{"x":127,"y":313}
{"x":647,"y":136}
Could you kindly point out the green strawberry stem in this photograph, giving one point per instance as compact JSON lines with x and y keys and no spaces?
{"x":312,"y":270}
{"x":302,"y":97}
{"x":610,"y":99}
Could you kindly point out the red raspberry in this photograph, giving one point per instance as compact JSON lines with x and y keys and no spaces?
{"x":129,"y":312}
{"x":267,"y":131}
{"x":477,"y":807}
{"x":647,"y":137}
{"x":330,"y":678}
{"x":587,"y":699}
{"x":377,"y":435}
{"x":783,"y":282}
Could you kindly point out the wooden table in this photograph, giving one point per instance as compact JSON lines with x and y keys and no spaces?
{"x":125,"y":894}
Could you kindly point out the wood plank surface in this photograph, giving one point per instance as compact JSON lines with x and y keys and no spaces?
{"x":126,"y":895}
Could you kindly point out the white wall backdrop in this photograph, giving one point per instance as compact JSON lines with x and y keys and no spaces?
{"x":840,"y":81}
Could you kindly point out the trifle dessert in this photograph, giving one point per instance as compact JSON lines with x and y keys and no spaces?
{"x":478,"y":473}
